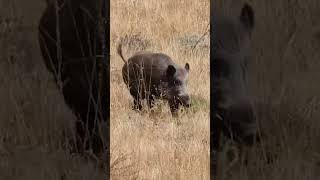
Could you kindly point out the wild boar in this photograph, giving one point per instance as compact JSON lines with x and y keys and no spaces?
{"x":153,"y":76}
{"x":234,"y":109}
{"x":71,"y":42}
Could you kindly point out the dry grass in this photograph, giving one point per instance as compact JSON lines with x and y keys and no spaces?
{"x":156,"y":146}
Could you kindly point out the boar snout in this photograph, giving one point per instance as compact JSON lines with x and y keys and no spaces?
{"x":239,"y":120}
{"x":185,"y":101}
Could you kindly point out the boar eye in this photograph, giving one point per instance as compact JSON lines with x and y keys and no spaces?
{"x":177,"y":82}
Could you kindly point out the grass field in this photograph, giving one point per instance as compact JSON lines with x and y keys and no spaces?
{"x":154,"y":145}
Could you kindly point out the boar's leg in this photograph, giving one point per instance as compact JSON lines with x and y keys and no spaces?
{"x":136,"y":99}
{"x":174,"y":106}
{"x":151,"y":101}
{"x":137,"y":104}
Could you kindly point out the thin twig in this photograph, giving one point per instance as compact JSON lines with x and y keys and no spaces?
{"x":204,"y":34}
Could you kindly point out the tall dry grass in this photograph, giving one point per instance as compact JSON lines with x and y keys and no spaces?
{"x":154,"y":145}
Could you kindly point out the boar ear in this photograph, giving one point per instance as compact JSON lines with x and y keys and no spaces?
{"x":187,"y":67}
{"x":171,"y":70}
{"x":247,"y":17}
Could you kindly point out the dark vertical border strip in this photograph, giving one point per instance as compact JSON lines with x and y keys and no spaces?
{"x":214,"y":129}
{"x":106,"y":59}
{"x":212,"y":162}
